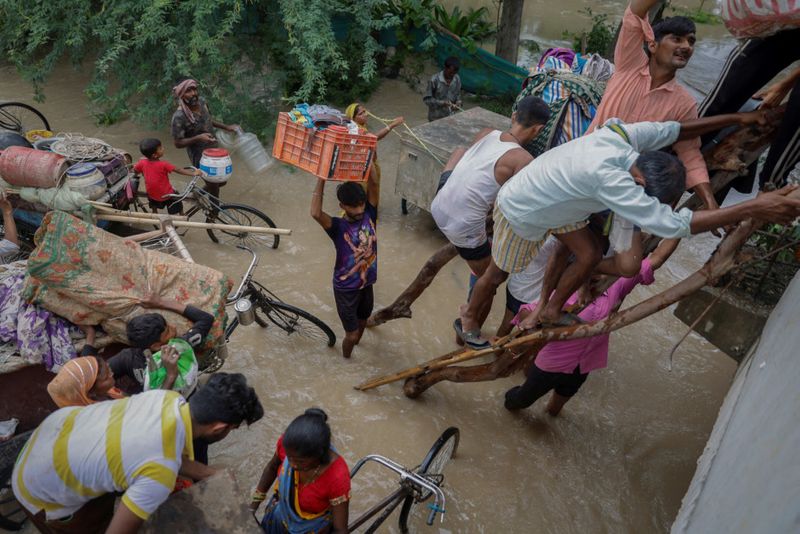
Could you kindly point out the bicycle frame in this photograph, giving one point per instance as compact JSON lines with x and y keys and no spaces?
{"x":409,"y":482}
{"x":244,"y":287}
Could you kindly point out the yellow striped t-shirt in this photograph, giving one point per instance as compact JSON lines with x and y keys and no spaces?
{"x":132,"y":446}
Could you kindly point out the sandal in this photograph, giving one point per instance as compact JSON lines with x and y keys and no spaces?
{"x":472,"y":338}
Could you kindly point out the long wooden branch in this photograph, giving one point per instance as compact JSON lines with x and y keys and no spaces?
{"x":506,"y":364}
{"x":401,"y":307}
{"x":721,"y":262}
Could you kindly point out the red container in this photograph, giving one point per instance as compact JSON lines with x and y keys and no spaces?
{"x":332,"y":154}
{"x":27,"y":167}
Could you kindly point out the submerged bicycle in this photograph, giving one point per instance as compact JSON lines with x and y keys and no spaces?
{"x":216,"y":211}
{"x":253,"y":302}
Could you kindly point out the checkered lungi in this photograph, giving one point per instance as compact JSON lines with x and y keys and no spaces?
{"x":510,"y":252}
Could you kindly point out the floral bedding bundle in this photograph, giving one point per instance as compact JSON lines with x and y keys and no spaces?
{"x":89,"y":276}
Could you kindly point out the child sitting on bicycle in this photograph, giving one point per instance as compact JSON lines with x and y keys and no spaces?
{"x":156,"y":176}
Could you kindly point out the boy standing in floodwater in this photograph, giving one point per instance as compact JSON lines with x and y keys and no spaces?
{"x":356,"y":242}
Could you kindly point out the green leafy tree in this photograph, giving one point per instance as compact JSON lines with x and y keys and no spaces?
{"x":139,"y":48}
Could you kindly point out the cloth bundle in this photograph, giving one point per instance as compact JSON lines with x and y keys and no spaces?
{"x":89,"y":276}
{"x":317,"y":116}
{"x":28,"y":332}
{"x":573,"y":100}
{"x":748,"y":19}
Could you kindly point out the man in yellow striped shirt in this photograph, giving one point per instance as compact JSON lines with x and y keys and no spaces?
{"x":70,"y":471}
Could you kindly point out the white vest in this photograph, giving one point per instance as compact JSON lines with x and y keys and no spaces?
{"x":460,"y":208}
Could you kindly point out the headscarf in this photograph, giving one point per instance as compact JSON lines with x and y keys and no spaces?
{"x":180,"y":90}
{"x":350,"y":112}
{"x":73,"y":382}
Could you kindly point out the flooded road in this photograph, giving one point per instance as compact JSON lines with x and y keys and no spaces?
{"x":545,"y":20}
{"x":618,"y":459}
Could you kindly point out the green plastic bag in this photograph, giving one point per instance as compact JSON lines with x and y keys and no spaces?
{"x":188,"y":369}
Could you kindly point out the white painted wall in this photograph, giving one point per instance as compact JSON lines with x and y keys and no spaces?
{"x":748,"y":478}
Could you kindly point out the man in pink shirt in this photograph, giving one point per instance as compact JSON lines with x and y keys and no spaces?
{"x":643,"y":87}
{"x":564,"y":365}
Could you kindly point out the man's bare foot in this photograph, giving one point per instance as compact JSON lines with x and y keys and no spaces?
{"x":468,"y":324}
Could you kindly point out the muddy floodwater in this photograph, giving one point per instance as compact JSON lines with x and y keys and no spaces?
{"x":547,"y":20}
{"x":618,"y":459}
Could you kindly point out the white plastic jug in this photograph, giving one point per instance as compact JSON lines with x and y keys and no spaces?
{"x":252,"y":151}
{"x":248,"y":147}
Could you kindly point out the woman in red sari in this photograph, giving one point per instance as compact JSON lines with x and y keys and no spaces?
{"x":313,"y":490}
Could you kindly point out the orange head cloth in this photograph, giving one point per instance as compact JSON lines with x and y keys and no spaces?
{"x":73,"y":382}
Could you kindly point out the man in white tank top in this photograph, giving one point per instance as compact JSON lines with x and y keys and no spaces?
{"x":473,"y":177}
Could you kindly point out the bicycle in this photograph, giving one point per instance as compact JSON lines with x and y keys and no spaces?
{"x":21,"y":118}
{"x":253,"y":302}
{"x":416,"y":485}
{"x":216,"y":211}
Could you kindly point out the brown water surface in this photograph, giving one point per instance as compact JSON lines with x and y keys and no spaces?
{"x":547,"y":20}
{"x":618,"y":459}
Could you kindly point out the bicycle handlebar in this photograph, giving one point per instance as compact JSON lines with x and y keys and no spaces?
{"x":247,"y":276}
{"x":189,"y":188}
{"x":410,"y":476}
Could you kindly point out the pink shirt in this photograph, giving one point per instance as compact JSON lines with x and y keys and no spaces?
{"x":628,"y":95}
{"x":589,"y":353}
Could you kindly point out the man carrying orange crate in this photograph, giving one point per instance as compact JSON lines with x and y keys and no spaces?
{"x":356,"y":243}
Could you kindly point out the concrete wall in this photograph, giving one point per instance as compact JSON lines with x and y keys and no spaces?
{"x":748,"y":478}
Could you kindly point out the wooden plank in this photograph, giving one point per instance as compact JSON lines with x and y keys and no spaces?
{"x":194,"y":224}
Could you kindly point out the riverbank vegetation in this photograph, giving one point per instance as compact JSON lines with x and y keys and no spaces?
{"x":251,"y":57}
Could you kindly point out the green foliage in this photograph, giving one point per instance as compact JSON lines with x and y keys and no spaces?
{"x":413,"y":24}
{"x":473,"y":25}
{"x":313,"y":43}
{"x":773,"y":236}
{"x":598,"y":38}
{"x":246,"y":54}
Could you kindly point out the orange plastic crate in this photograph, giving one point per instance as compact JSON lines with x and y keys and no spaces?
{"x":332,"y":154}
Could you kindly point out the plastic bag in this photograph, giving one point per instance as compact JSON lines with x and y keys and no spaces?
{"x":188,"y":369}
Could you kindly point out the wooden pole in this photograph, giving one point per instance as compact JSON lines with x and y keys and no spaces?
{"x":195,"y":224}
{"x":138,"y":215}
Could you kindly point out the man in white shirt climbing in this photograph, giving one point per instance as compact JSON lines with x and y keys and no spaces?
{"x":619,"y":168}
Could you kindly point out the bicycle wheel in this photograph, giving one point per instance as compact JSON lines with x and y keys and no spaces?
{"x":240,"y":214}
{"x":293,"y":320}
{"x":21,"y":118}
{"x":432,"y":467}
